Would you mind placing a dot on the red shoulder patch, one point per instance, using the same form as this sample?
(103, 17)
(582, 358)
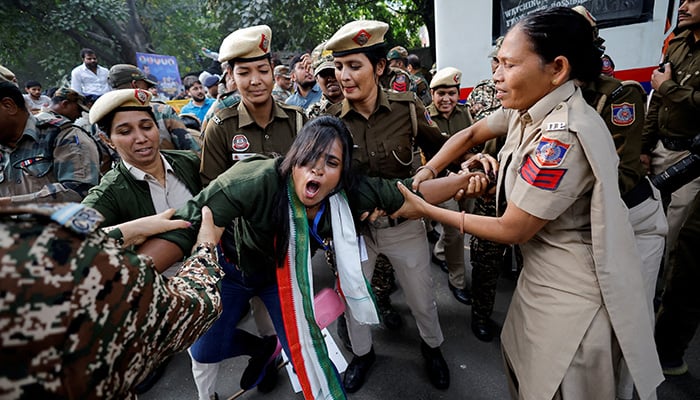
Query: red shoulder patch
(542, 178)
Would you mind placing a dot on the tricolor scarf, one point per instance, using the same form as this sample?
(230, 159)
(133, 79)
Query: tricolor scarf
(309, 355)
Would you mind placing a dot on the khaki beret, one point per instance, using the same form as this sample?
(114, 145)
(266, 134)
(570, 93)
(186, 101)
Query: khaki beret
(7, 76)
(321, 59)
(71, 95)
(449, 76)
(120, 74)
(282, 70)
(119, 98)
(247, 44)
(397, 52)
(357, 37)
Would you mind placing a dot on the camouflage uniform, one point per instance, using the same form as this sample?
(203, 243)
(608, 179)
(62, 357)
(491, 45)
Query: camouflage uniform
(173, 133)
(280, 94)
(82, 318)
(485, 256)
(53, 161)
(318, 108)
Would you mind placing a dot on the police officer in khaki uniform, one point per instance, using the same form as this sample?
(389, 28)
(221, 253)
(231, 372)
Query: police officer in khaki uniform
(385, 127)
(671, 124)
(451, 117)
(257, 123)
(580, 304)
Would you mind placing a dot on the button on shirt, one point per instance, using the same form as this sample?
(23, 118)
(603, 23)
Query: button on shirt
(173, 195)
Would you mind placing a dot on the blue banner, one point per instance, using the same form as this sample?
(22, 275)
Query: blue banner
(161, 69)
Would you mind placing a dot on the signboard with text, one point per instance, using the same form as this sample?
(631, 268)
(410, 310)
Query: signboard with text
(162, 69)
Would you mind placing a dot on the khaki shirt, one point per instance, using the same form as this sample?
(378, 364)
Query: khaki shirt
(233, 135)
(558, 161)
(384, 142)
(621, 105)
(674, 109)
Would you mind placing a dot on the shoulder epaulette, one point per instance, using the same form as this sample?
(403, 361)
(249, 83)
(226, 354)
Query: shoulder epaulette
(225, 113)
(57, 121)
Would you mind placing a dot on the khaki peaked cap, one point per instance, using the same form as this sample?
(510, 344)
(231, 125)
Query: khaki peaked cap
(119, 98)
(449, 76)
(247, 44)
(357, 36)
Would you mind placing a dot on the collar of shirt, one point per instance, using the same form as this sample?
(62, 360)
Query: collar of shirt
(546, 104)
(382, 101)
(244, 117)
(143, 176)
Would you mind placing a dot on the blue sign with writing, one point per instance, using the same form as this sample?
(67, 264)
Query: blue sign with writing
(162, 69)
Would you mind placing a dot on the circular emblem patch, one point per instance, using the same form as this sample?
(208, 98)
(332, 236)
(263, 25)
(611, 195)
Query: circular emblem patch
(240, 143)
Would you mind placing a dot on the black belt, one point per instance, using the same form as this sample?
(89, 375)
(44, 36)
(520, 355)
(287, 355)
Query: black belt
(676, 144)
(637, 194)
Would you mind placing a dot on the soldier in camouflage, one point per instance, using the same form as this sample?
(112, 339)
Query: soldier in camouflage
(400, 80)
(486, 257)
(324, 72)
(42, 161)
(283, 83)
(82, 318)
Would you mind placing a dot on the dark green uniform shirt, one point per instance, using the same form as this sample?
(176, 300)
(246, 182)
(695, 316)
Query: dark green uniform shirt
(248, 191)
(384, 142)
(233, 135)
(674, 110)
(120, 197)
(621, 105)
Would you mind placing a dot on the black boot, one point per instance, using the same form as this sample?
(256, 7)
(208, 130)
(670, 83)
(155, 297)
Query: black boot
(255, 371)
(484, 328)
(436, 366)
(357, 371)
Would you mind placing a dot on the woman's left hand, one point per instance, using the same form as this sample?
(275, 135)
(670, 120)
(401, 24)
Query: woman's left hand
(485, 161)
(413, 207)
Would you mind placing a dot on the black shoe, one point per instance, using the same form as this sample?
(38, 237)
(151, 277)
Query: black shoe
(436, 366)
(433, 236)
(356, 372)
(152, 378)
(462, 295)
(342, 330)
(391, 319)
(440, 263)
(269, 381)
(255, 371)
(485, 329)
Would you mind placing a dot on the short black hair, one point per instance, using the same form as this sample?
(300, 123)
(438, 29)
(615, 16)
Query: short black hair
(11, 91)
(86, 51)
(413, 61)
(31, 84)
(189, 81)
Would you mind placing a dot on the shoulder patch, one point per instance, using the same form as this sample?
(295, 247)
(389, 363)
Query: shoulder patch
(550, 152)
(542, 178)
(623, 114)
(427, 117)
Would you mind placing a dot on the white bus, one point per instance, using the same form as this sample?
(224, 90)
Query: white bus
(634, 31)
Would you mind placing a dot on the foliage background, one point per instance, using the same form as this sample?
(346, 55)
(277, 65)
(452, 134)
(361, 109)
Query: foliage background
(41, 39)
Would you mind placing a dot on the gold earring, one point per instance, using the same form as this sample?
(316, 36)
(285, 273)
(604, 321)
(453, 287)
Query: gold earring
(554, 82)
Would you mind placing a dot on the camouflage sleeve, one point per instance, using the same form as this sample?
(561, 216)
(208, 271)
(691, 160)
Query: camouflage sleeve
(182, 140)
(99, 318)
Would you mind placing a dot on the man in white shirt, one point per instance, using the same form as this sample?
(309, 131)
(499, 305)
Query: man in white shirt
(90, 79)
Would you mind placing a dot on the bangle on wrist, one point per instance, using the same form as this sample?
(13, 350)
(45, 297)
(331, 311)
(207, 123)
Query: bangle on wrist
(461, 222)
(429, 168)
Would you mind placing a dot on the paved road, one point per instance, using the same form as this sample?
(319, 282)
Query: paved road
(476, 368)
